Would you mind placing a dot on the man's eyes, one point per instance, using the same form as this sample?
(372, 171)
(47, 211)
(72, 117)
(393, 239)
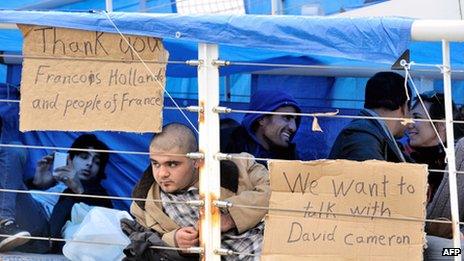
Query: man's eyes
(155, 164)
(172, 164)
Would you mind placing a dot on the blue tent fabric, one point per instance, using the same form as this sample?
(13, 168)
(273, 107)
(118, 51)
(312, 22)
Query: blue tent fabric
(375, 39)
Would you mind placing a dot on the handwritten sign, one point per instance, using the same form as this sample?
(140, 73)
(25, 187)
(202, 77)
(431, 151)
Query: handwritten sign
(330, 193)
(83, 81)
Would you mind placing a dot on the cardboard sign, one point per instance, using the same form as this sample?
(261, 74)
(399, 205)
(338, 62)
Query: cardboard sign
(77, 80)
(330, 192)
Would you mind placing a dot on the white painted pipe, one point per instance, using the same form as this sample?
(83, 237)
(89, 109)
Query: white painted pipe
(208, 99)
(109, 5)
(437, 30)
(450, 146)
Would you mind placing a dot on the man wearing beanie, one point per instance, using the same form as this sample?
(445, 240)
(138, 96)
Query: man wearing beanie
(265, 135)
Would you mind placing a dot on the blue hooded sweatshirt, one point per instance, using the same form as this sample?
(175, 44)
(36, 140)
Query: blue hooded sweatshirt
(243, 139)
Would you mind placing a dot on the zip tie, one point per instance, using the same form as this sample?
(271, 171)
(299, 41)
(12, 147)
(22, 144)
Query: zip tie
(195, 155)
(195, 203)
(220, 63)
(193, 62)
(223, 252)
(194, 109)
(220, 109)
(223, 156)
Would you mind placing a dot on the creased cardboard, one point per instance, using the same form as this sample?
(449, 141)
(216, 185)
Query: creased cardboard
(84, 81)
(329, 193)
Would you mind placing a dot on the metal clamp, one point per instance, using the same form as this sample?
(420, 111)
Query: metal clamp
(222, 204)
(195, 155)
(220, 109)
(222, 156)
(194, 109)
(220, 63)
(223, 252)
(195, 203)
(444, 69)
(195, 250)
(193, 62)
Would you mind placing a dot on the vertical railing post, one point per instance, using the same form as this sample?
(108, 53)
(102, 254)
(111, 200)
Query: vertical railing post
(276, 7)
(109, 6)
(446, 70)
(208, 98)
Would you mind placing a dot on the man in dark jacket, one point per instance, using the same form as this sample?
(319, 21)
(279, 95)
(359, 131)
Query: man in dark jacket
(265, 135)
(364, 139)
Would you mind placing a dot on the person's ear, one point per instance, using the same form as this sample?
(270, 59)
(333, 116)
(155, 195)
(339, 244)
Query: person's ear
(263, 121)
(196, 163)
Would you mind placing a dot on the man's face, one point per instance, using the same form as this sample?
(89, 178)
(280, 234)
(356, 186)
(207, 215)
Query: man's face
(278, 129)
(86, 164)
(173, 173)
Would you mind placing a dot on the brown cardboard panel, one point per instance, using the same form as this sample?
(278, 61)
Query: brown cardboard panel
(348, 211)
(109, 90)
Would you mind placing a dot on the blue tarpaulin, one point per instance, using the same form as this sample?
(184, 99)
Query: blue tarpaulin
(242, 38)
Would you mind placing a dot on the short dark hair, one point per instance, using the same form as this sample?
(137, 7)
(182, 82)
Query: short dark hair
(386, 90)
(86, 141)
(185, 139)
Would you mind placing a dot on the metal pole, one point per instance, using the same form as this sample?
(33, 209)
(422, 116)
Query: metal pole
(109, 5)
(450, 145)
(142, 6)
(208, 98)
(436, 30)
(276, 7)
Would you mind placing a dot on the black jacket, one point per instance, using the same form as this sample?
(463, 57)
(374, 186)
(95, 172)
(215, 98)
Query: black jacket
(364, 139)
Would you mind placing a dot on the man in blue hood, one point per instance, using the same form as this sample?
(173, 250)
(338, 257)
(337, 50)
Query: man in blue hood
(265, 135)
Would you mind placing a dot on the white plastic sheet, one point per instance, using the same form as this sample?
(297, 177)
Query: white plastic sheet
(98, 225)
